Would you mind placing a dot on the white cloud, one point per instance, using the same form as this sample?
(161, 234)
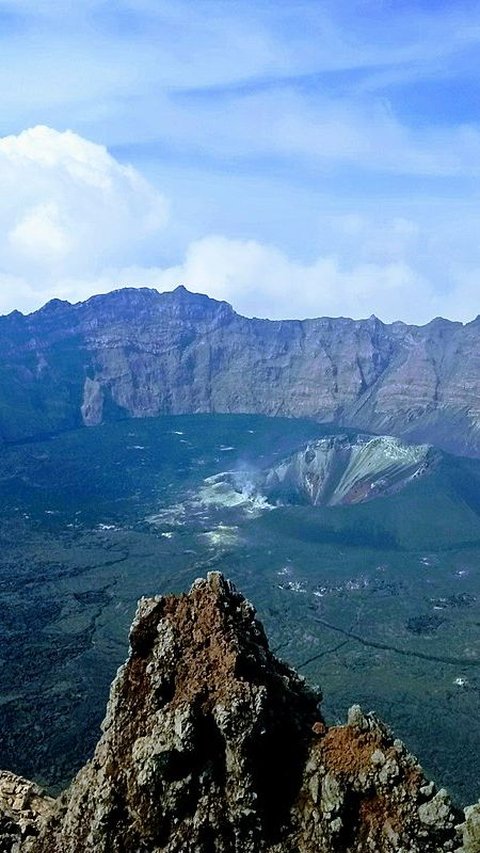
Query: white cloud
(39, 234)
(314, 130)
(234, 79)
(67, 208)
(74, 222)
(378, 275)
(261, 280)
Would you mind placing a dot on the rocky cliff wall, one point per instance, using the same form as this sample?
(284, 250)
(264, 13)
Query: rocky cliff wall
(140, 353)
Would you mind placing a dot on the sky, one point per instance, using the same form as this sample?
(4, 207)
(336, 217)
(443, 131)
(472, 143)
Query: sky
(297, 158)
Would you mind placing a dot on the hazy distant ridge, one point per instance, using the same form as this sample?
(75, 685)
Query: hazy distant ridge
(140, 353)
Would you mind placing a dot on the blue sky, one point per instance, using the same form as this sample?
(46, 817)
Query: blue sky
(296, 158)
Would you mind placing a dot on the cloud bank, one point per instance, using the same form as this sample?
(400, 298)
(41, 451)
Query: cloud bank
(319, 157)
(74, 221)
(67, 210)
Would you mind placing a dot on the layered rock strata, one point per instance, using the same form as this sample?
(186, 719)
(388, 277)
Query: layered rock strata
(212, 745)
(135, 352)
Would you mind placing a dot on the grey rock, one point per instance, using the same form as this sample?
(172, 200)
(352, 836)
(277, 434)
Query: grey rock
(140, 353)
(23, 810)
(471, 830)
(356, 717)
(212, 745)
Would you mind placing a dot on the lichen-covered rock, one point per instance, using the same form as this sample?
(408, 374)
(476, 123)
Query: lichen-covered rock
(471, 830)
(374, 795)
(23, 808)
(212, 745)
(204, 741)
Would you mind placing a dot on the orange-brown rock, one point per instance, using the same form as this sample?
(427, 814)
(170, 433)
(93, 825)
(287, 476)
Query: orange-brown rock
(212, 745)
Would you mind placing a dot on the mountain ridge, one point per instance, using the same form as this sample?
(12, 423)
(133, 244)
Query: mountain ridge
(57, 303)
(137, 352)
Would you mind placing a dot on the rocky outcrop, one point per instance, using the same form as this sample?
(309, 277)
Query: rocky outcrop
(23, 808)
(137, 352)
(212, 745)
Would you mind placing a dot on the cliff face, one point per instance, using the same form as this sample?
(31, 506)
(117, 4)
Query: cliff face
(212, 745)
(137, 352)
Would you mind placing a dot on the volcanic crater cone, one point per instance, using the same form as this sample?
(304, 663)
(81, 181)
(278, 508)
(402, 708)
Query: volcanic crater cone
(341, 469)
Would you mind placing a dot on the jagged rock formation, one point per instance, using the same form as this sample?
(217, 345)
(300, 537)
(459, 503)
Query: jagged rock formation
(212, 745)
(137, 352)
(341, 470)
(23, 807)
